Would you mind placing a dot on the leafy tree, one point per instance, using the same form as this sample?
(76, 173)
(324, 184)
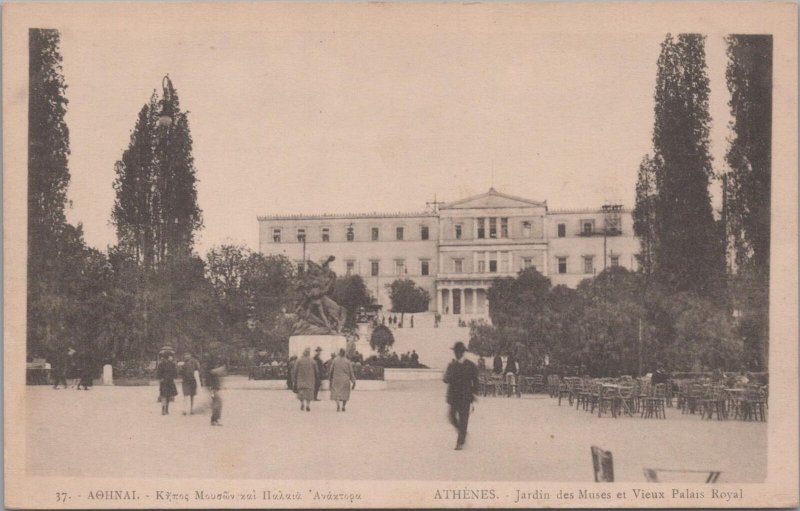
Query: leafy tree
(407, 297)
(688, 254)
(382, 339)
(483, 338)
(748, 187)
(351, 293)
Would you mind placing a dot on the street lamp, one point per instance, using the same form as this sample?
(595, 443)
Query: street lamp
(165, 119)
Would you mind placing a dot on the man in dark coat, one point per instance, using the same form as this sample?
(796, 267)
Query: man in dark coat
(462, 386)
(320, 369)
(497, 364)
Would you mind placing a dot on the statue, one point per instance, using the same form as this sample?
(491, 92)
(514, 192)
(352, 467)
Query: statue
(317, 313)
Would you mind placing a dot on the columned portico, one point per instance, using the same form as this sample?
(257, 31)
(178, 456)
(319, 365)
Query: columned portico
(463, 297)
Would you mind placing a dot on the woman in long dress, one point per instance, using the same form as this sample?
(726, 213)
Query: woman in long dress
(342, 379)
(304, 376)
(166, 374)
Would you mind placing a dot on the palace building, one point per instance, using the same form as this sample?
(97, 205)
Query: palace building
(456, 250)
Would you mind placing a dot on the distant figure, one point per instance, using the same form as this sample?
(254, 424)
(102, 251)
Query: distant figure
(290, 367)
(414, 358)
(166, 374)
(411, 322)
(327, 365)
(86, 370)
(481, 363)
(511, 371)
(497, 365)
(342, 379)
(190, 376)
(319, 373)
(462, 386)
(59, 364)
(214, 375)
(305, 376)
(72, 367)
(383, 320)
(437, 318)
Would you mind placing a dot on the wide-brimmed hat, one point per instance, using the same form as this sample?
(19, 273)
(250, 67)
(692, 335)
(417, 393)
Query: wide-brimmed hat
(166, 349)
(459, 346)
(318, 349)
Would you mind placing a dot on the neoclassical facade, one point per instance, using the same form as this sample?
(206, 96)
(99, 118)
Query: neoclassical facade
(457, 251)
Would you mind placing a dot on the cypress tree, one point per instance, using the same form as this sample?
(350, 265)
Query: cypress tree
(748, 186)
(688, 255)
(48, 179)
(644, 212)
(155, 211)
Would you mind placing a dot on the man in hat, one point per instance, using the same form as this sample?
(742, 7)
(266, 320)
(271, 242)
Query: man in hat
(462, 386)
(318, 376)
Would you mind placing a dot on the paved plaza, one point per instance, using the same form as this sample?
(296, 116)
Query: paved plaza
(400, 433)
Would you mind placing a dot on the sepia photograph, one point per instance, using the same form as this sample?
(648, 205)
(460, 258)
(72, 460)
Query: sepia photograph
(269, 255)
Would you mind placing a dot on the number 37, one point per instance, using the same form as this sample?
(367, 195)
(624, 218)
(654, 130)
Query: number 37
(61, 496)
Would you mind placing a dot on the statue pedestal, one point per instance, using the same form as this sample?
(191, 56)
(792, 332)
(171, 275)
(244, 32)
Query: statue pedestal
(329, 343)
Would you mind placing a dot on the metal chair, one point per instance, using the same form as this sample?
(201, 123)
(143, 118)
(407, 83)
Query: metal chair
(603, 464)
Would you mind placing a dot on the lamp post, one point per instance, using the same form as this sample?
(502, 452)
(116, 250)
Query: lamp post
(166, 117)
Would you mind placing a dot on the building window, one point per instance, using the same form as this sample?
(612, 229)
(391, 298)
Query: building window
(526, 229)
(399, 267)
(614, 260)
(493, 265)
(424, 268)
(326, 234)
(504, 227)
(458, 265)
(588, 264)
(399, 233)
(301, 235)
(276, 235)
(375, 268)
(492, 227)
(376, 234)
(457, 231)
(350, 267)
(423, 232)
(527, 262)
(350, 233)
(562, 264)
(481, 228)
(587, 227)
(481, 266)
(562, 230)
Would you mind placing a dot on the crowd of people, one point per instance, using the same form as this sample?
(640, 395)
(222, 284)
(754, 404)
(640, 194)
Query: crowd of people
(71, 368)
(189, 370)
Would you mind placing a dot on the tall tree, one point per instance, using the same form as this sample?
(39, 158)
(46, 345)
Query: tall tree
(748, 186)
(156, 212)
(689, 254)
(54, 247)
(644, 213)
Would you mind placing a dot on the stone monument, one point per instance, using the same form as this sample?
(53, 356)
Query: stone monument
(318, 319)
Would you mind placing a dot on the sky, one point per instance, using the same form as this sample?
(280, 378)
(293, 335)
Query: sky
(310, 117)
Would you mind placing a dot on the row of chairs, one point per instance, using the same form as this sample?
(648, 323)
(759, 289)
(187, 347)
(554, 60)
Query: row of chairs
(509, 384)
(748, 403)
(628, 397)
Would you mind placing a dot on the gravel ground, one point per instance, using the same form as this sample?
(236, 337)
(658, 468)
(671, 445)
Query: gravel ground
(398, 434)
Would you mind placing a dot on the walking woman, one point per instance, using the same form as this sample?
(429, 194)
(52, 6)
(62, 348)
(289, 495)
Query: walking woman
(342, 379)
(304, 376)
(166, 374)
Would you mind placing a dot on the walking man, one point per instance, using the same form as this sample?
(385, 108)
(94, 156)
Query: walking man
(190, 375)
(319, 373)
(462, 386)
